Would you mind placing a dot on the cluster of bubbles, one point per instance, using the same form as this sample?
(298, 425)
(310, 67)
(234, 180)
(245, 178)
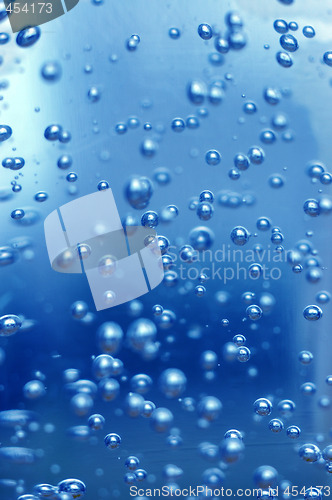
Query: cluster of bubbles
(148, 339)
(68, 489)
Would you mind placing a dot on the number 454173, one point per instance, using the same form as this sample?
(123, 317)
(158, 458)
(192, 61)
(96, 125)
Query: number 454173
(294, 491)
(34, 8)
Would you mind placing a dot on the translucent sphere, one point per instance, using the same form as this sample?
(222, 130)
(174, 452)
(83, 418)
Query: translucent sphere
(161, 419)
(94, 94)
(109, 389)
(51, 71)
(41, 196)
(205, 31)
(212, 157)
(209, 408)
(201, 238)
(308, 388)
(150, 219)
(208, 360)
(241, 161)
(205, 210)
(305, 357)
(254, 312)
(240, 235)
(327, 453)
(133, 404)
(112, 441)
(44, 490)
(276, 425)
(265, 476)
(289, 43)
(196, 91)
(293, 432)
(141, 383)
(309, 453)
(52, 132)
(263, 224)
(34, 389)
(314, 493)
(243, 354)
(172, 382)
(132, 463)
(96, 422)
(79, 309)
(308, 31)
(138, 192)
(237, 40)
(221, 45)
(102, 366)
(148, 409)
(74, 487)
(65, 161)
(107, 265)
(280, 26)
(263, 406)
(174, 33)
(81, 404)
(231, 450)
(200, 291)
(312, 313)
(239, 340)
(28, 36)
(272, 96)
(250, 108)
(109, 337)
(327, 58)
(256, 155)
(284, 59)
(311, 207)
(9, 324)
(286, 407)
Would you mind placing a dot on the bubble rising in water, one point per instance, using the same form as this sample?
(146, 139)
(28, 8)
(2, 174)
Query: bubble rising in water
(17, 214)
(161, 419)
(289, 43)
(52, 132)
(309, 452)
(205, 31)
(51, 71)
(240, 236)
(28, 36)
(308, 31)
(201, 238)
(112, 441)
(272, 96)
(174, 33)
(138, 192)
(196, 91)
(254, 312)
(284, 59)
(74, 487)
(312, 313)
(256, 155)
(276, 425)
(327, 58)
(280, 26)
(9, 324)
(263, 407)
(212, 157)
(5, 132)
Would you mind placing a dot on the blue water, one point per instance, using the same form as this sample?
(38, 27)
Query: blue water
(126, 101)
